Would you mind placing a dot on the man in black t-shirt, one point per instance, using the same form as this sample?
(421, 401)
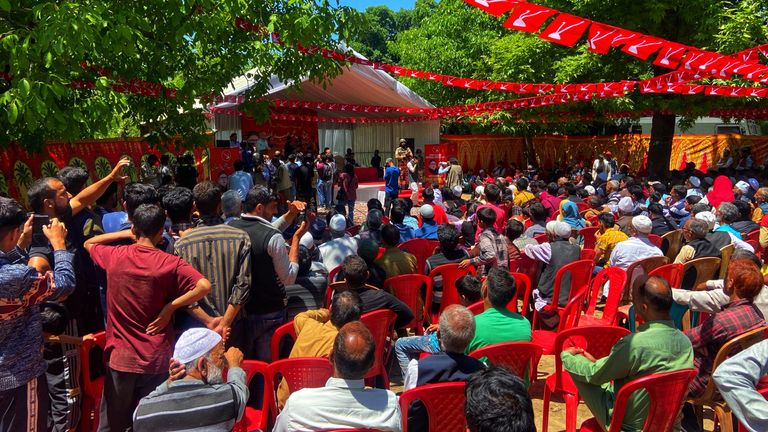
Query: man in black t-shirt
(448, 236)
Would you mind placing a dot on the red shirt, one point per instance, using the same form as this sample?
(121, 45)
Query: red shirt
(140, 282)
(501, 219)
(441, 217)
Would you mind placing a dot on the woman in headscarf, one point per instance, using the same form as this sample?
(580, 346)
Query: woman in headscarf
(570, 214)
(722, 191)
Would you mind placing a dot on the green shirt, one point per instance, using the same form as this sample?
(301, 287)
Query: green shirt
(497, 326)
(657, 347)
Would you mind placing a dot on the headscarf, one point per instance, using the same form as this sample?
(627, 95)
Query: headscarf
(722, 191)
(570, 212)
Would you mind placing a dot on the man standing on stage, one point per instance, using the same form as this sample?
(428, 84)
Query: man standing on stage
(403, 154)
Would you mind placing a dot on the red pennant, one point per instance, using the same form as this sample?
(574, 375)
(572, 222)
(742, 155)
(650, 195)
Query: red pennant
(494, 7)
(683, 162)
(528, 17)
(704, 165)
(565, 30)
(643, 46)
(600, 36)
(622, 37)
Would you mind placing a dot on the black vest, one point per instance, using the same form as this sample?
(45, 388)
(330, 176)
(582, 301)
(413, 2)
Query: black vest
(702, 248)
(446, 367)
(719, 239)
(563, 253)
(267, 291)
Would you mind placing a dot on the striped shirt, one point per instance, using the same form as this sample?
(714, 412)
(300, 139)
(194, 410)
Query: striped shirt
(192, 405)
(222, 254)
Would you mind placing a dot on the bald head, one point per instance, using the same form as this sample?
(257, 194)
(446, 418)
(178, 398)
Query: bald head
(353, 351)
(457, 328)
(653, 298)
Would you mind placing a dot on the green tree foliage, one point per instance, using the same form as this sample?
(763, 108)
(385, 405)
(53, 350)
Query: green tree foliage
(458, 39)
(190, 46)
(381, 26)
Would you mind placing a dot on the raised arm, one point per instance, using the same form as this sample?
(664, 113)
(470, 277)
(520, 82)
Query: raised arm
(88, 196)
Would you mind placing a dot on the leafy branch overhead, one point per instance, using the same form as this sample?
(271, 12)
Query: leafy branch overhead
(191, 46)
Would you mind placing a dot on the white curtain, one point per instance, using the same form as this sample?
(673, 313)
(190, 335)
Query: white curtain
(337, 137)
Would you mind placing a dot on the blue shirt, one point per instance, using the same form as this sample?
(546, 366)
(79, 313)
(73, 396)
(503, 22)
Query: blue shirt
(391, 177)
(406, 232)
(428, 230)
(729, 229)
(241, 182)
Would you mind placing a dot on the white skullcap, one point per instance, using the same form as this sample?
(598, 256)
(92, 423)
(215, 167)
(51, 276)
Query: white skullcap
(626, 205)
(195, 343)
(642, 224)
(427, 211)
(707, 217)
(479, 190)
(307, 241)
(550, 227)
(742, 186)
(694, 181)
(338, 223)
(590, 189)
(562, 230)
(457, 190)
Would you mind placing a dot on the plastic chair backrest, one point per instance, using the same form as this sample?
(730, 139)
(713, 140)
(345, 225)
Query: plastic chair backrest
(299, 373)
(526, 265)
(285, 330)
(666, 392)
(541, 238)
(580, 274)
(725, 258)
(407, 288)
(582, 206)
(450, 273)
(333, 273)
(754, 235)
(655, 240)
(249, 422)
(477, 308)
(704, 269)
(444, 403)
(755, 244)
(617, 278)
(673, 273)
(331, 290)
(729, 349)
(637, 269)
(762, 389)
(594, 220)
(421, 249)
(381, 323)
(93, 386)
(671, 243)
(588, 234)
(569, 315)
(596, 340)
(588, 254)
(523, 290)
(519, 357)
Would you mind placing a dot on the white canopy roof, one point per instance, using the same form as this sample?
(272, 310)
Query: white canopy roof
(356, 84)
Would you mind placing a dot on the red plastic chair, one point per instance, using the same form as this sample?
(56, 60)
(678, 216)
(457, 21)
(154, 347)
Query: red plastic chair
(582, 206)
(522, 358)
(421, 249)
(593, 221)
(477, 308)
(666, 392)
(569, 319)
(381, 323)
(444, 403)
(353, 230)
(597, 341)
(255, 418)
(523, 290)
(581, 274)
(527, 223)
(528, 266)
(93, 387)
(332, 274)
(381, 252)
(407, 288)
(541, 238)
(588, 234)
(299, 373)
(673, 273)
(754, 235)
(762, 388)
(755, 244)
(588, 254)
(450, 273)
(617, 278)
(655, 240)
(281, 332)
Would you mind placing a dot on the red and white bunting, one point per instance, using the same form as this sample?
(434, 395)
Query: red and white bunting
(528, 17)
(494, 7)
(643, 46)
(565, 30)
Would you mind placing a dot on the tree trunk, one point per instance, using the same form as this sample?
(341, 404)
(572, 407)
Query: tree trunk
(529, 153)
(660, 149)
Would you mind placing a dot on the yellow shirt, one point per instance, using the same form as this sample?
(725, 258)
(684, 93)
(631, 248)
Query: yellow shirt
(608, 240)
(523, 197)
(396, 262)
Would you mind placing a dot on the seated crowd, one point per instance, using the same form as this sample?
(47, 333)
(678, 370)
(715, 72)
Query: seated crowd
(190, 285)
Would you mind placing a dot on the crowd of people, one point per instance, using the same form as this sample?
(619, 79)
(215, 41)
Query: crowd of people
(189, 278)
